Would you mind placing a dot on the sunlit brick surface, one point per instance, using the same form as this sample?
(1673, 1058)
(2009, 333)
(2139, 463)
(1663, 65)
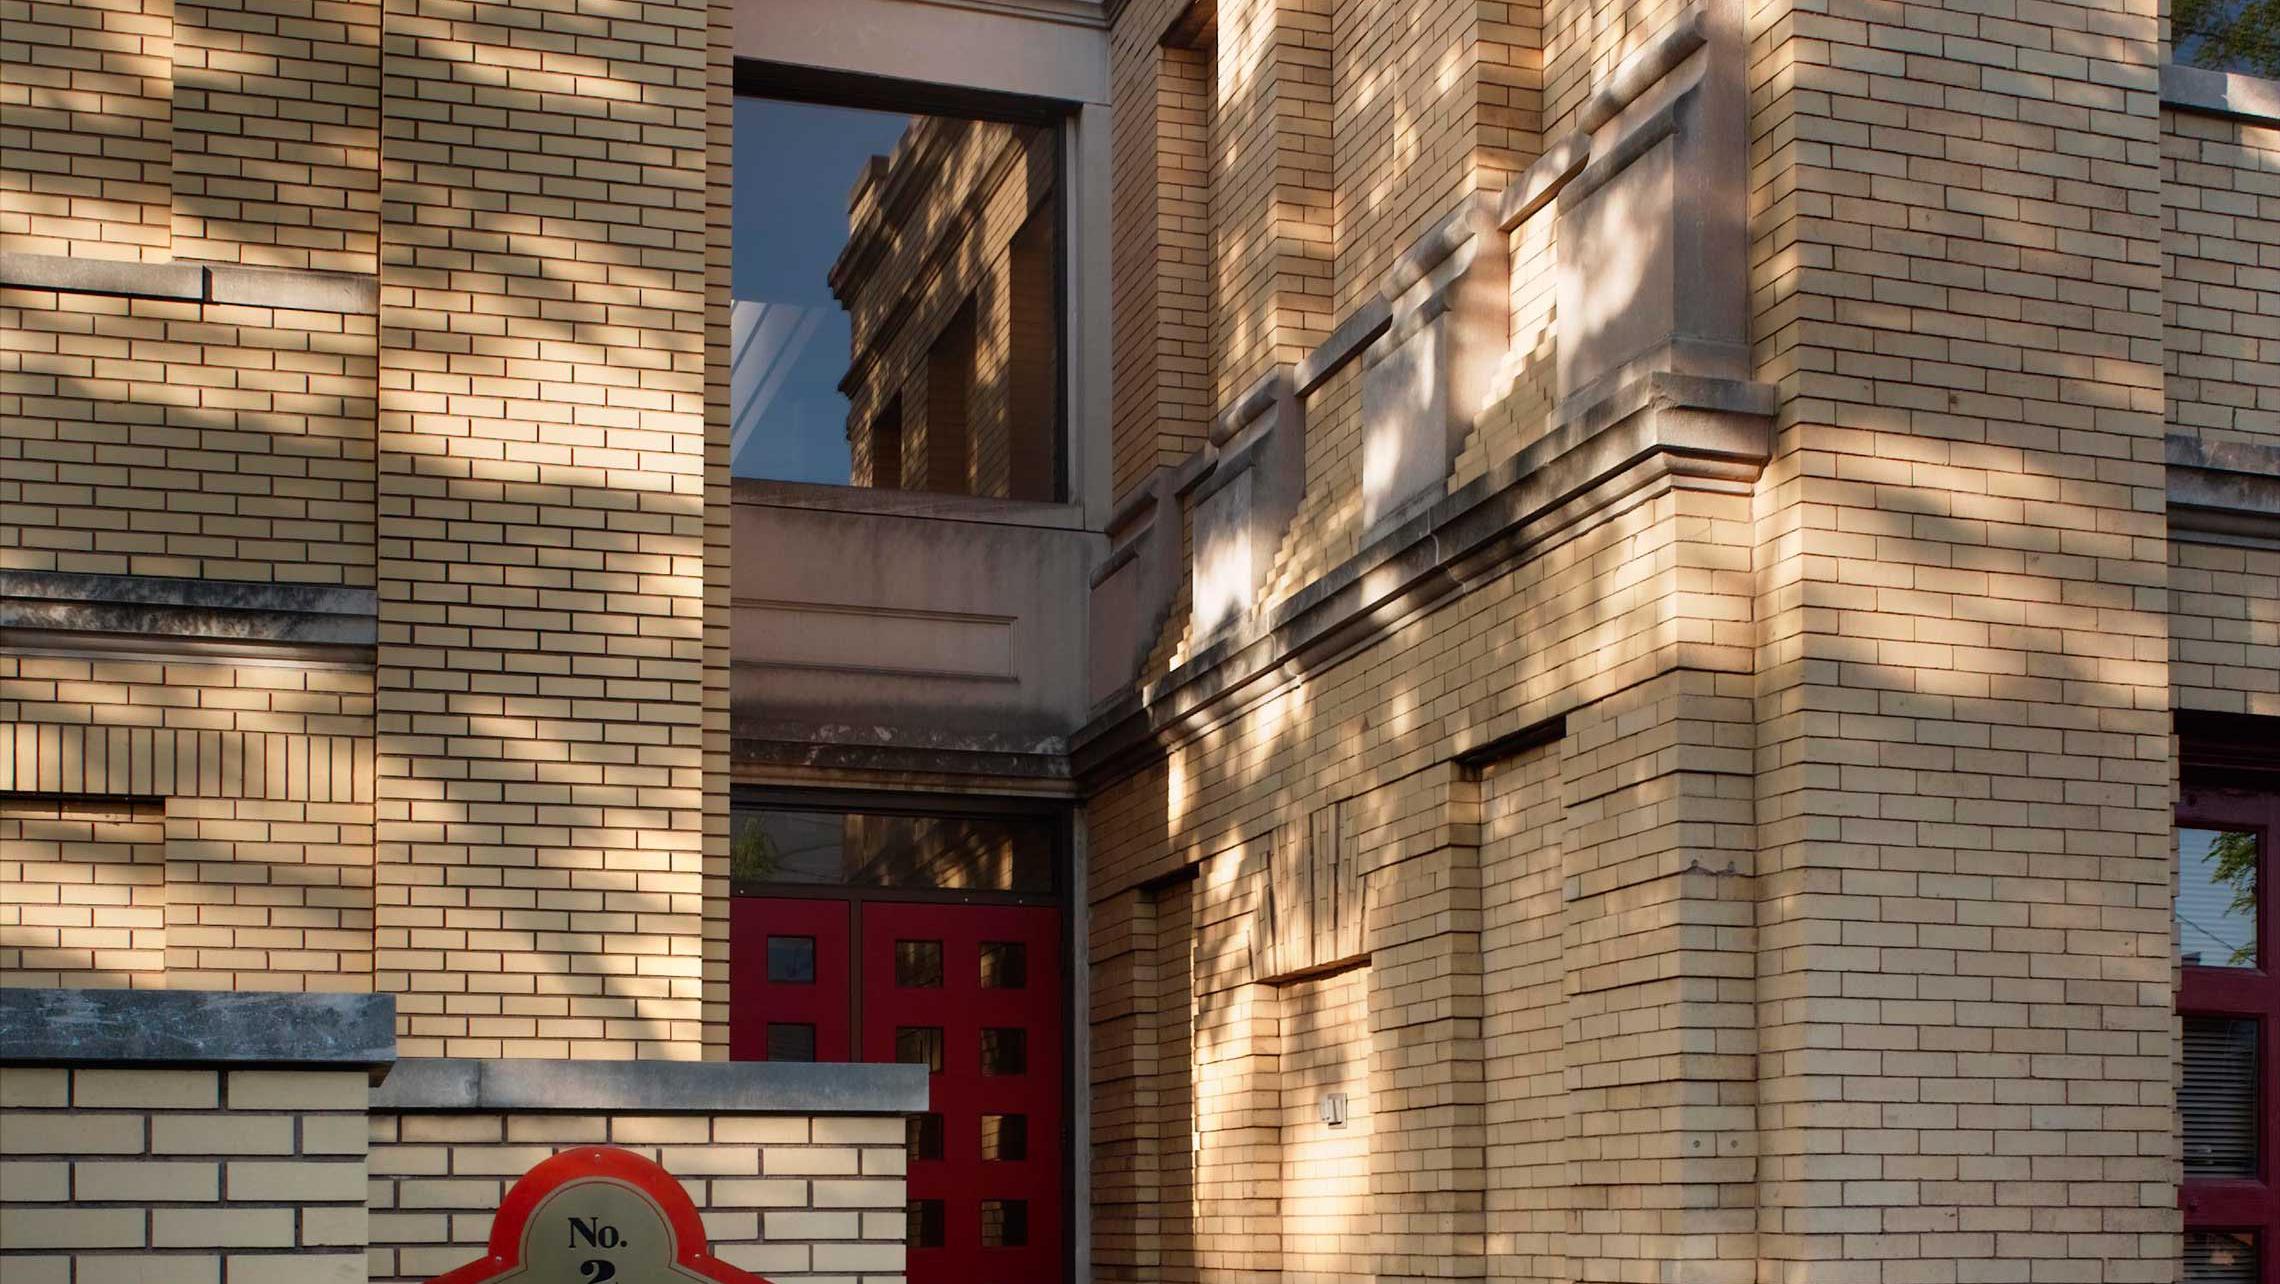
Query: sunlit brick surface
(86, 145)
(276, 133)
(542, 457)
(170, 437)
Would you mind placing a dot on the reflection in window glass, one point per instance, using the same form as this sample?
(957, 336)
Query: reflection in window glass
(922, 1226)
(1005, 1223)
(1005, 1138)
(2220, 1257)
(895, 301)
(791, 960)
(918, 964)
(922, 1134)
(2216, 1100)
(860, 849)
(791, 1041)
(1005, 1050)
(2216, 897)
(1005, 965)
(2227, 35)
(919, 1045)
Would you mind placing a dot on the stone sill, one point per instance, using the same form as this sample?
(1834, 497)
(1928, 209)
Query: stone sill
(439, 1084)
(2220, 93)
(919, 504)
(288, 289)
(194, 1028)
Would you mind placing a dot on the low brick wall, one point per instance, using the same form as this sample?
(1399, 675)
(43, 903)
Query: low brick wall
(788, 1197)
(182, 1175)
(170, 1137)
(797, 1169)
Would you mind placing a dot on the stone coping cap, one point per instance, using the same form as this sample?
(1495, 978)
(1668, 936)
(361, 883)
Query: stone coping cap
(196, 1028)
(422, 1084)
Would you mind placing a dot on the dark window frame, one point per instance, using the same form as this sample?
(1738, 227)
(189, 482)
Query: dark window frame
(825, 87)
(2230, 782)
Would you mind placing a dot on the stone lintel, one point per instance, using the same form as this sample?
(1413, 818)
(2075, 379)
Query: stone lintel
(41, 606)
(291, 289)
(439, 1084)
(225, 1029)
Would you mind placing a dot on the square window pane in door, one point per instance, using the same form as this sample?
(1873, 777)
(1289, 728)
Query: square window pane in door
(1005, 965)
(2220, 1257)
(918, 964)
(922, 1224)
(1005, 1050)
(2216, 897)
(1005, 1223)
(1005, 1138)
(791, 1041)
(2217, 1100)
(791, 960)
(919, 1045)
(922, 1135)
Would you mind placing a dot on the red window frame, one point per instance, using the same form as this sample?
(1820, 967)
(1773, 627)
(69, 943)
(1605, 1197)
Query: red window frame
(2240, 1203)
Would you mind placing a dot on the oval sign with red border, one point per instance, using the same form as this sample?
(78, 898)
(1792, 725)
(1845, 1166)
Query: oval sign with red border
(597, 1215)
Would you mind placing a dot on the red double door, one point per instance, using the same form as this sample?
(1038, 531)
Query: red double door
(973, 992)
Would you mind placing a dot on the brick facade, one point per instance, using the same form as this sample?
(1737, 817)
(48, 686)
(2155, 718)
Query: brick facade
(182, 1174)
(793, 1197)
(1719, 827)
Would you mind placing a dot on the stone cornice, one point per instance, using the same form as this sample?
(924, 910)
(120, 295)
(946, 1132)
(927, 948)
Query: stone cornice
(196, 1028)
(46, 609)
(652, 1087)
(1662, 428)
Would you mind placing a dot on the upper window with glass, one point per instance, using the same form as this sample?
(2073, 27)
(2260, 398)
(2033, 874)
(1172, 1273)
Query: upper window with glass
(2227, 35)
(897, 287)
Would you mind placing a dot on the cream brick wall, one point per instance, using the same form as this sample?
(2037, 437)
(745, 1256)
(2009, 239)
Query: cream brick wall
(276, 133)
(789, 1197)
(170, 437)
(2224, 628)
(200, 1176)
(2220, 348)
(1963, 683)
(86, 149)
(1162, 163)
(82, 892)
(543, 484)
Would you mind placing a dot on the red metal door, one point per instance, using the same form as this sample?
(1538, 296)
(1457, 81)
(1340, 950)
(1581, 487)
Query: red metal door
(974, 992)
(788, 970)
